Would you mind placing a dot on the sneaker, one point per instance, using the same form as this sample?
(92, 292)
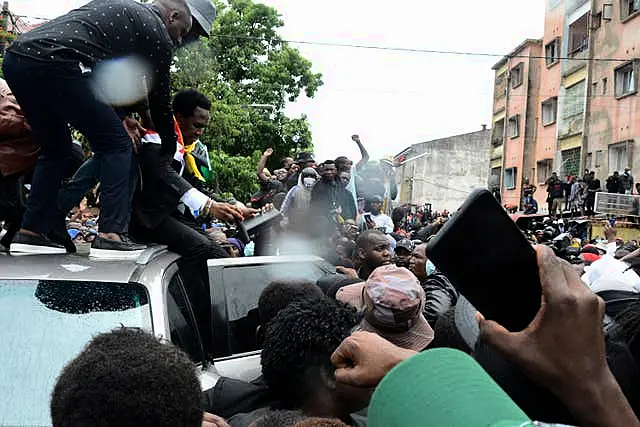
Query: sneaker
(112, 249)
(24, 243)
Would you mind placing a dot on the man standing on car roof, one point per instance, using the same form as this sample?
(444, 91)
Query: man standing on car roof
(51, 72)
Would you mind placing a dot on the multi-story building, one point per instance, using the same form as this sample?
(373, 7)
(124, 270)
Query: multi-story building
(587, 95)
(613, 125)
(443, 172)
(517, 85)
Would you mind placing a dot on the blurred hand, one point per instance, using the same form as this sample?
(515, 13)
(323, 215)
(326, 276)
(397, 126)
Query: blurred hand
(364, 358)
(268, 152)
(226, 212)
(355, 138)
(349, 272)
(248, 212)
(135, 131)
(610, 232)
(563, 348)
(210, 420)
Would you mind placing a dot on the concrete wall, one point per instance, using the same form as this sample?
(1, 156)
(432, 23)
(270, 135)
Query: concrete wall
(518, 151)
(550, 80)
(613, 120)
(443, 172)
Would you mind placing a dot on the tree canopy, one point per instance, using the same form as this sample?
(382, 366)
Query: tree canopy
(250, 73)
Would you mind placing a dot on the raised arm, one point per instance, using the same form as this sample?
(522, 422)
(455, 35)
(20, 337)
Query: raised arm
(363, 152)
(263, 163)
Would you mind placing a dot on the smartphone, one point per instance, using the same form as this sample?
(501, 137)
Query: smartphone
(489, 261)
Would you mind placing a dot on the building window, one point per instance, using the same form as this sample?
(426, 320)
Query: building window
(579, 35)
(588, 161)
(574, 100)
(599, 158)
(517, 75)
(571, 162)
(500, 87)
(545, 167)
(619, 156)
(494, 179)
(552, 52)
(510, 175)
(604, 85)
(498, 133)
(596, 21)
(549, 111)
(514, 126)
(625, 79)
(628, 8)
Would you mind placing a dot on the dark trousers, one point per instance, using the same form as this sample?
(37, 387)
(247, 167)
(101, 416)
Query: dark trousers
(183, 237)
(86, 178)
(54, 96)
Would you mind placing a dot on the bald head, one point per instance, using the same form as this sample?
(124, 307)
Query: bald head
(176, 16)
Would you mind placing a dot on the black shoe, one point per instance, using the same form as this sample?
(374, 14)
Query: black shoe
(112, 249)
(61, 237)
(24, 243)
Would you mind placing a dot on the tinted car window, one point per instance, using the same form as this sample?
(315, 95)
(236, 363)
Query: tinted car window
(45, 324)
(181, 322)
(242, 288)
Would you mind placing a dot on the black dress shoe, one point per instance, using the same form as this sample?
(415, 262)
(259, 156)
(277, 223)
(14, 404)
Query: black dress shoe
(24, 243)
(102, 248)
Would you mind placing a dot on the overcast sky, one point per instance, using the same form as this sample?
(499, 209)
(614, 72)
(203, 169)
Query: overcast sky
(391, 99)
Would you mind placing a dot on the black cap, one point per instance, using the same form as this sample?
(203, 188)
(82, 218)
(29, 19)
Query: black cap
(405, 244)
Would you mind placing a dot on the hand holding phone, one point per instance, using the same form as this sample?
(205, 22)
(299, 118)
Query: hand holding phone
(499, 274)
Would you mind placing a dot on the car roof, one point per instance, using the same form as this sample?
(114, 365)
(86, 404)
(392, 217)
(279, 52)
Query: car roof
(260, 260)
(80, 267)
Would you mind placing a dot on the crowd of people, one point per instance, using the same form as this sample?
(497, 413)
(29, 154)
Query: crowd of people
(576, 195)
(388, 341)
(387, 345)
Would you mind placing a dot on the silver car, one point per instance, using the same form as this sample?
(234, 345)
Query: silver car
(52, 305)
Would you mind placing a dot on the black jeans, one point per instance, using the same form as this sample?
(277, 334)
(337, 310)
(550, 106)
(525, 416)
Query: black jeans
(86, 178)
(183, 237)
(54, 96)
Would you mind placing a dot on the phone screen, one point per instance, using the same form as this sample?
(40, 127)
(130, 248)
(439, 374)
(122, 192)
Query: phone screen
(489, 261)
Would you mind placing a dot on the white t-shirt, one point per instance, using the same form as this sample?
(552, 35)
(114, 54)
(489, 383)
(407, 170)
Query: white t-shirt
(381, 220)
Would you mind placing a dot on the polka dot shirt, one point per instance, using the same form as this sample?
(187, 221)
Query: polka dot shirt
(107, 29)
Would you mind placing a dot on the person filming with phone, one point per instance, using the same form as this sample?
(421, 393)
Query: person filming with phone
(376, 220)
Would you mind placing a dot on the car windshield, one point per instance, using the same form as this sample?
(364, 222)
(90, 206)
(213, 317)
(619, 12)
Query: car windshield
(45, 324)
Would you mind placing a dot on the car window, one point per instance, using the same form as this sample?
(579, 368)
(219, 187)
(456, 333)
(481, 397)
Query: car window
(243, 286)
(182, 325)
(45, 324)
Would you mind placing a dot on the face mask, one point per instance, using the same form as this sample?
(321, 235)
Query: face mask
(430, 268)
(308, 182)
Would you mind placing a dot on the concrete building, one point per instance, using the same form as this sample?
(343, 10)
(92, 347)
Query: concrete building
(585, 98)
(517, 87)
(613, 127)
(444, 171)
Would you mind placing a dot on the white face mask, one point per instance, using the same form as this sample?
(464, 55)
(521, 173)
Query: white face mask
(308, 182)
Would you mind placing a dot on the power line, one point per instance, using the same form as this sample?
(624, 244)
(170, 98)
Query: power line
(386, 48)
(407, 49)
(32, 17)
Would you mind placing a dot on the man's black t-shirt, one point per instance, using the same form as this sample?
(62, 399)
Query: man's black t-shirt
(107, 29)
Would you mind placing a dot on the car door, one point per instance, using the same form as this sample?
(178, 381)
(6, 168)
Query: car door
(236, 285)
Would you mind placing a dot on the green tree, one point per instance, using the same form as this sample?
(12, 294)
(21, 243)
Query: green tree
(250, 73)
